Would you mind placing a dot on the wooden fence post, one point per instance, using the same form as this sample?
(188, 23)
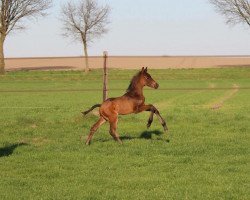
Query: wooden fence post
(105, 78)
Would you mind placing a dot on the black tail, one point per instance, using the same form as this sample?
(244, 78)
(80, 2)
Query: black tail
(92, 108)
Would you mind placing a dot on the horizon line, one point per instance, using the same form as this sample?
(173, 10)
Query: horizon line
(124, 56)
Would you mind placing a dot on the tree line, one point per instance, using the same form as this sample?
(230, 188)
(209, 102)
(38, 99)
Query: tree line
(86, 20)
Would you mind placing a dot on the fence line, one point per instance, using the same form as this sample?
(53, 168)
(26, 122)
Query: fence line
(118, 89)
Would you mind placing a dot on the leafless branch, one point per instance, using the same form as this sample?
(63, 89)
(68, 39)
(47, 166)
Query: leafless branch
(85, 20)
(13, 12)
(235, 11)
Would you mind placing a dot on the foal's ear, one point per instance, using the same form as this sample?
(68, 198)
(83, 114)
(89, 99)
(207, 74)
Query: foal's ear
(144, 69)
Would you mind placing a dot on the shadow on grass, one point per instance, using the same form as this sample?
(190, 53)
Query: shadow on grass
(8, 150)
(149, 134)
(146, 135)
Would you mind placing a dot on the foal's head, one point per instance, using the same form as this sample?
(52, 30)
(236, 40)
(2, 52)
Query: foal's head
(147, 80)
(141, 79)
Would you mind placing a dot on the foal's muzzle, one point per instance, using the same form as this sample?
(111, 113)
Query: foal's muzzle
(156, 85)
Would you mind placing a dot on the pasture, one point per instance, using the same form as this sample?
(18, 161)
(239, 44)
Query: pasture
(205, 154)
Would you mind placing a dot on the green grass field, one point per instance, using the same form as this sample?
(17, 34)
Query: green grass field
(205, 154)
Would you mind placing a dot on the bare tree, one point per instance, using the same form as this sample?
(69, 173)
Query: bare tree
(84, 22)
(235, 11)
(12, 14)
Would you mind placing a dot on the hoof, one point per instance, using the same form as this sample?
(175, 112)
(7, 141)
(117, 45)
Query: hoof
(83, 113)
(87, 142)
(148, 126)
(119, 141)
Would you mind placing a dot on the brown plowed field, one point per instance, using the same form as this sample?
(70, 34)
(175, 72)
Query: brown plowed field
(127, 62)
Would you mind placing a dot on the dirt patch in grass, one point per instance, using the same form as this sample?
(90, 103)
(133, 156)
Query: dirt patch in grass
(45, 68)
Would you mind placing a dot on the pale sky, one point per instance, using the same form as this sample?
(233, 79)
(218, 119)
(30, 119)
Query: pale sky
(139, 27)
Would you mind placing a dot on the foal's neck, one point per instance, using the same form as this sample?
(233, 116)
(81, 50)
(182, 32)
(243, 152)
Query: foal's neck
(135, 88)
(137, 91)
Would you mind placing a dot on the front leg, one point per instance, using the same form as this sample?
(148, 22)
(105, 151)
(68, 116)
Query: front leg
(150, 119)
(153, 110)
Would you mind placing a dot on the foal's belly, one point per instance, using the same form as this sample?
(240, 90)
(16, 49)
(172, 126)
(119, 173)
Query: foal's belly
(125, 108)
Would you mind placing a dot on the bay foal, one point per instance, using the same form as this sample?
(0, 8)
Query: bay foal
(133, 101)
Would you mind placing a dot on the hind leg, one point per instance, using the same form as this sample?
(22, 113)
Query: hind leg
(113, 128)
(94, 129)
